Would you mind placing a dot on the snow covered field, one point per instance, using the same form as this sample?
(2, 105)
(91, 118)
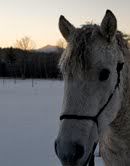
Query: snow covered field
(29, 122)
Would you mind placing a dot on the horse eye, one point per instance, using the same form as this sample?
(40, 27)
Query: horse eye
(104, 74)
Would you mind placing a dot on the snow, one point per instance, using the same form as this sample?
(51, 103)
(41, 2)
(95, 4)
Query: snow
(29, 119)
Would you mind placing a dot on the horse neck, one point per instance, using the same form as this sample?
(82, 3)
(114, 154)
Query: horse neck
(121, 124)
(117, 135)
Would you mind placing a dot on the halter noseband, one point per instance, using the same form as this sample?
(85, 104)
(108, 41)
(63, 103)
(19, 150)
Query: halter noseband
(95, 118)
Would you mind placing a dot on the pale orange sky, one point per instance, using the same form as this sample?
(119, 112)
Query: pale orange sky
(38, 19)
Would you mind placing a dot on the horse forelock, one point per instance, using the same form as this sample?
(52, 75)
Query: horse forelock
(77, 55)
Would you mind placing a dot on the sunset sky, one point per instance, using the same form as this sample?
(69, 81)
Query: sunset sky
(38, 19)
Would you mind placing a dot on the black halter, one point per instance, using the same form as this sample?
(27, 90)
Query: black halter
(95, 118)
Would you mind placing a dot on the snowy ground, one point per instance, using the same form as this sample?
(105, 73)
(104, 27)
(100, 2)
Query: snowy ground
(29, 122)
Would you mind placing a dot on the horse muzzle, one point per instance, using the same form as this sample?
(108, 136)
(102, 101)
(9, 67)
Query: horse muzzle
(69, 152)
(73, 154)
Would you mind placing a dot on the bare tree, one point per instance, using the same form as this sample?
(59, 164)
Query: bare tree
(61, 43)
(25, 43)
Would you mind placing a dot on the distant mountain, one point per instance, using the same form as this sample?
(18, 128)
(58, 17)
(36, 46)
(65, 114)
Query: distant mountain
(48, 49)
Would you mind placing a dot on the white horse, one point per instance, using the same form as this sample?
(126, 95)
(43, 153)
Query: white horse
(96, 104)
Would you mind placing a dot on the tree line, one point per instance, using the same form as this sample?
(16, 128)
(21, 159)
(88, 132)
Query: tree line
(19, 63)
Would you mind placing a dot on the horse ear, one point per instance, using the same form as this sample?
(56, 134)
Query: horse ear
(109, 25)
(65, 27)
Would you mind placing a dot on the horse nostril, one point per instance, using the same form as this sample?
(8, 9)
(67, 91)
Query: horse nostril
(79, 151)
(69, 152)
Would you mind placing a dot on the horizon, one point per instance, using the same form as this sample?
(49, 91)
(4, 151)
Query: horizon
(39, 19)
